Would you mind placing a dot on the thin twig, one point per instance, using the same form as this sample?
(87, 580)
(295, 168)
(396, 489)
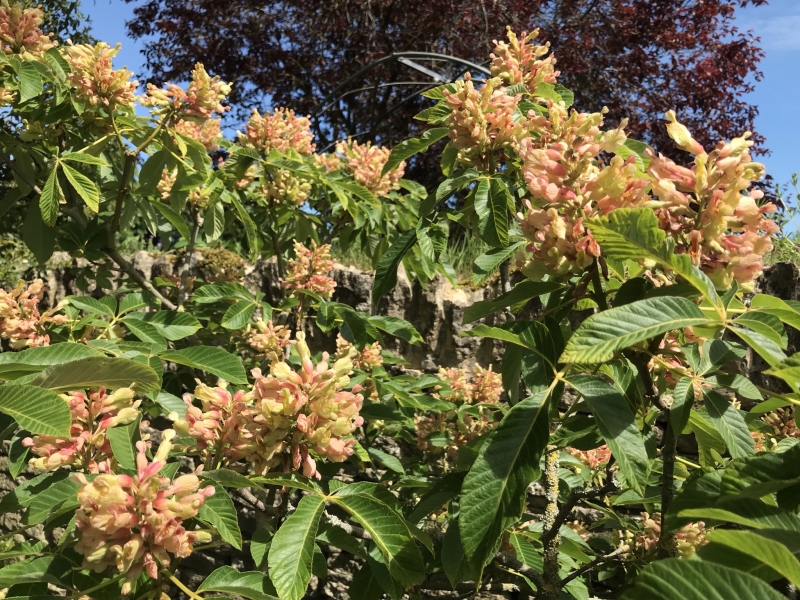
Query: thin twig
(139, 278)
(589, 566)
(351, 529)
(187, 263)
(576, 497)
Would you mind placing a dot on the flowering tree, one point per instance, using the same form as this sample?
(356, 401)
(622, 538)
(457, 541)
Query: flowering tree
(160, 421)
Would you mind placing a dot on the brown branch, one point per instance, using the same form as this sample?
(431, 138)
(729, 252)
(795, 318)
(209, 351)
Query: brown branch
(187, 263)
(350, 529)
(578, 496)
(550, 575)
(512, 563)
(589, 566)
(138, 278)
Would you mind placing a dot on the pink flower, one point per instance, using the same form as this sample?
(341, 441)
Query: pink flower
(365, 163)
(95, 80)
(309, 269)
(86, 447)
(280, 131)
(20, 320)
(135, 523)
(19, 30)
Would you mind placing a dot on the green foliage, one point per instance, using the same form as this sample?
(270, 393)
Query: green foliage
(612, 342)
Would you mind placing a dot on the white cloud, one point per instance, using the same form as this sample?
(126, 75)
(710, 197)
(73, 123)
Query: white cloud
(779, 32)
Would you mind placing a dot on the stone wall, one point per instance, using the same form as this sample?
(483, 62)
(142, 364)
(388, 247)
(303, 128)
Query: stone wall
(436, 310)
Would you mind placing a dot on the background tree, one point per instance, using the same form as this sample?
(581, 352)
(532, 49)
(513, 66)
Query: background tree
(637, 57)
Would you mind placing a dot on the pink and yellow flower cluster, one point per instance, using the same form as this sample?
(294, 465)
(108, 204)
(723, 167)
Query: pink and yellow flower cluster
(20, 320)
(200, 101)
(268, 340)
(96, 81)
(282, 130)
(134, 523)
(309, 269)
(20, 32)
(457, 427)
(365, 163)
(562, 156)
(287, 419)
(368, 359)
(87, 446)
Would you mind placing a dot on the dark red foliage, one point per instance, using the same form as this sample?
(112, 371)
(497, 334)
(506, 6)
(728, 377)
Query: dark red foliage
(637, 57)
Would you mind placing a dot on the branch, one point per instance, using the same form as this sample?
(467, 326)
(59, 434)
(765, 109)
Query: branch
(589, 566)
(114, 255)
(350, 529)
(576, 497)
(550, 576)
(127, 172)
(512, 563)
(187, 263)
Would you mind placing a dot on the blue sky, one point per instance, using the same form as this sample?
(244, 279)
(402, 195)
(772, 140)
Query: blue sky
(777, 95)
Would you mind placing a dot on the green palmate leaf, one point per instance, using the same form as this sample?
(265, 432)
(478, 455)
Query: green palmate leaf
(170, 324)
(449, 186)
(486, 264)
(84, 159)
(90, 305)
(18, 454)
(787, 313)
(292, 480)
(765, 323)
(35, 409)
(336, 536)
(748, 512)
(99, 371)
(59, 497)
(150, 173)
(454, 561)
(788, 370)
(676, 579)
(683, 399)
(397, 327)
(389, 532)
(38, 237)
(145, 331)
(30, 82)
(248, 584)
(45, 569)
(219, 512)
(173, 218)
(386, 273)
(228, 478)
(525, 290)
(259, 546)
(491, 205)
(765, 550)
(365, 584)
(730, 424)
(602, 335)
(238, 314)
(633, 233)
(210, 359)
(32, 360)
(292, 549)
(407, 149)
(617, 425)
(387, 460)
(51, 198)
(214, 220)
(493, 495)
(85, 187)
(123, 440)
